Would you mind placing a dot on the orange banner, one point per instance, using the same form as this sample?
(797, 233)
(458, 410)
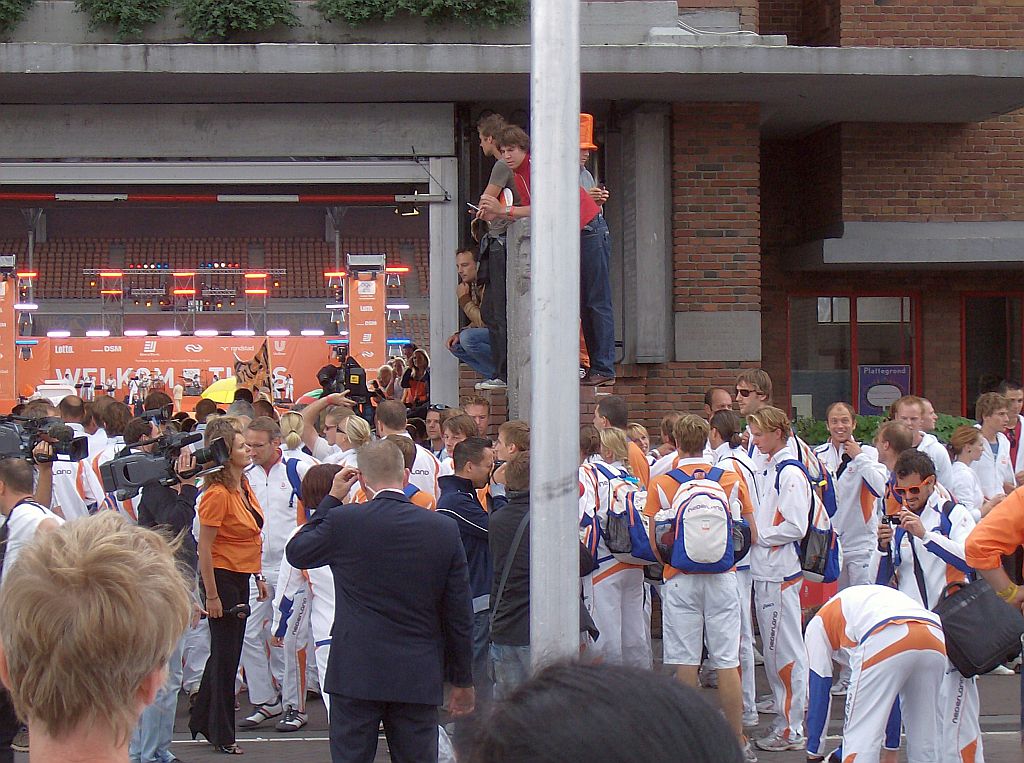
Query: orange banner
(167, 360)
(8, 333)
(367, 328)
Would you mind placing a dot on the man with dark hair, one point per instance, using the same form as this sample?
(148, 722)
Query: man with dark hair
(391, 419)
(264, 408)
(471, 344)
(115, 417)
(156, 400)
(244, 394)
(612, 411)
(923, 554)
(716, 399)
(1014, 394)
(473, 461)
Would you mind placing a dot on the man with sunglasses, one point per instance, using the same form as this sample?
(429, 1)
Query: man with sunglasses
(921, 550)
(753, 392)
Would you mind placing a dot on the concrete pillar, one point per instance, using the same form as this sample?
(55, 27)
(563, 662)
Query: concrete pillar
(519, 319)
(444, 304)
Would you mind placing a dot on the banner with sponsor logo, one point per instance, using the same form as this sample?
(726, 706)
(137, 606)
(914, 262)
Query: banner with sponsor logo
(168, 360)
(8, 333)
(367, 329)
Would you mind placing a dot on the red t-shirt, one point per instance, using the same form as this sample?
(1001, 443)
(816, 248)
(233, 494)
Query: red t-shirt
(588, 207)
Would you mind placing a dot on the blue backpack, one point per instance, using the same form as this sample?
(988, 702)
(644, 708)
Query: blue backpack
(626, 528)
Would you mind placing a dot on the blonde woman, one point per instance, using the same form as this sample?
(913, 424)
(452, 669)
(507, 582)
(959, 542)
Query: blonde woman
(965, 447)
(618, 589)
(230, 551)
(351, 433)
(291, 424)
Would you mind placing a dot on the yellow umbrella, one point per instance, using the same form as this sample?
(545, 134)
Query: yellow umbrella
(222, 391)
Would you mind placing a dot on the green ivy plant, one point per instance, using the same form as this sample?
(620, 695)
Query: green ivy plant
(128, 17)
(12, 12)
(216, 20)
(491, 13)
(815, 432)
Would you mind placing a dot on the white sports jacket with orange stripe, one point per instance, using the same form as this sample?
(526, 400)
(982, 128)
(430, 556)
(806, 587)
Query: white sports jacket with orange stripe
(940, 553)
(781, 519)
(858, 488)
(844, 622)
(91, 484)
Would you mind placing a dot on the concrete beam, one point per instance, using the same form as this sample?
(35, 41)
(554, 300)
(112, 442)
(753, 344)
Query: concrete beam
(444, 304)
(723, 336)
(895, 246)
(798, 88)
(227, 130)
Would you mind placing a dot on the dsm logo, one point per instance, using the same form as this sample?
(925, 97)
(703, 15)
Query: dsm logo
(193, 348)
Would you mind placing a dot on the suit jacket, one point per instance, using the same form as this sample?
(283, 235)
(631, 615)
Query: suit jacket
(402, 620)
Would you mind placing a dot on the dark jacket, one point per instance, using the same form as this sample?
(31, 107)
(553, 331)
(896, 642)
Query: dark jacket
(161, 507)
(458, 499)
(402, 623)
(510, 623)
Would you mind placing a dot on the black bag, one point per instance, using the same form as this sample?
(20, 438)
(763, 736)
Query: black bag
(982, 631)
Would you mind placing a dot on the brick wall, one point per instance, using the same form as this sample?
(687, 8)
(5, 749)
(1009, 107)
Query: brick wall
(938, 23)
(934, 172)
(746, 8)
(804, 22)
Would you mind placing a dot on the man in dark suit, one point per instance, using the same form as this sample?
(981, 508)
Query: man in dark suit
(403, 612)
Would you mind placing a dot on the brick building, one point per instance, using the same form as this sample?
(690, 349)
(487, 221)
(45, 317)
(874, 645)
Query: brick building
(828, 188)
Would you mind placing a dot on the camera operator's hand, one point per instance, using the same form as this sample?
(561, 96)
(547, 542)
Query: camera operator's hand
(186, 462)
(339, 398)
(42, 455)
(343, 482)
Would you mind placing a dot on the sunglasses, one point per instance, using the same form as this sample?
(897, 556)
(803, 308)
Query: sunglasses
(745, 392)
(438, 407)
(903, 492)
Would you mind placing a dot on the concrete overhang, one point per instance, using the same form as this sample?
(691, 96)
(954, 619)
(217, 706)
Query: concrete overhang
(917, 246)
(798, 88)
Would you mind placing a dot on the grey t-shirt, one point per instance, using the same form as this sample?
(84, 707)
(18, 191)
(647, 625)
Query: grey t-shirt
(501, 176)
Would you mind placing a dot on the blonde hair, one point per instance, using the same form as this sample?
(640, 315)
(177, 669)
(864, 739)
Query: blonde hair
(636, 432)
(87, 614)
(356, 430)
(614, 441)
(291, 424)
(769, 419)
(691, 434)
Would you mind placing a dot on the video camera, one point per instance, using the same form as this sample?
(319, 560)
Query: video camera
(348, 377)
(133, 469)
(20, 435)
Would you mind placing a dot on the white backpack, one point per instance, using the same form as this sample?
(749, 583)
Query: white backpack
(695, 534)
(624, 527)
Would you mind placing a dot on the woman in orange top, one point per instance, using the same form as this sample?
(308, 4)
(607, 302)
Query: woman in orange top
(230, 550)
(416, 383)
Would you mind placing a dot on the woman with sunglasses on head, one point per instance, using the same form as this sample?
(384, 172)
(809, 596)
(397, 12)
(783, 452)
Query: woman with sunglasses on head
(921, 550)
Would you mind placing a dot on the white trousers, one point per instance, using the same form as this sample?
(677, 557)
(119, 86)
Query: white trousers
(856, 567)
(195, 653)
(297, 652)
(323, 652)
(961, 729)
(618, 612)
(785, 659)
(905, 660)
(744, 584)
(263, 666)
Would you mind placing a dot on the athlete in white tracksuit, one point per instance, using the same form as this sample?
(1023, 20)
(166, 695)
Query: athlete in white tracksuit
(738, 461)
(896, 651)
(923, 557)
(782, 520)
(617, 601)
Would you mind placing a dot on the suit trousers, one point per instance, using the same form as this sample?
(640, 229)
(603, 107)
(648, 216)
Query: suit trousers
(410, 728)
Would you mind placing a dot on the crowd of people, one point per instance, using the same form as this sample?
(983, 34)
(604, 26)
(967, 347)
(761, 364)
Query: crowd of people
(416, 538)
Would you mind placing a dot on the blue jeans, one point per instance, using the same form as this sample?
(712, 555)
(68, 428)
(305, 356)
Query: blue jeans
(474, 349)
(511, 667)
(596, 296)
(152, 738)
(482, 681)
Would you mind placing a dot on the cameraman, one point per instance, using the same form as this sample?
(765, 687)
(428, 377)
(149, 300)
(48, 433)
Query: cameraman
(23, 517)
(170, 509)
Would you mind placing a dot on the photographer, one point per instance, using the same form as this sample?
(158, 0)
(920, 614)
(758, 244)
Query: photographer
(172, 510)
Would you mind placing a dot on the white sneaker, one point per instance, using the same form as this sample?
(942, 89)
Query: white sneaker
(839, 688)
(1001, 670)
(491, 384)
(766, 706)
(758, 658)
(750, 720)
(261, 713)
(775, 742)
(749, 756)
(293, 720)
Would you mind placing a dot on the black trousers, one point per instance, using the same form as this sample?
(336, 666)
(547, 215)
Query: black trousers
(411, 730)
(9, 724)
(213, 714)
(493, 307)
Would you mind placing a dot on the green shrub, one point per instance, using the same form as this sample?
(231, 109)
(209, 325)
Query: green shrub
(128, 17)
(12, 12)
(491, 13)
(815, 432)
(216, 20)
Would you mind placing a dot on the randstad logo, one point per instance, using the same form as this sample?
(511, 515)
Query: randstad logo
(193, 348)
(63, 349)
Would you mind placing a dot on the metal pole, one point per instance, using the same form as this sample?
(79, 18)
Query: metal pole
(555, 419)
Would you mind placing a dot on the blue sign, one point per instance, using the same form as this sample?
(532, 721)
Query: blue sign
(880, 387)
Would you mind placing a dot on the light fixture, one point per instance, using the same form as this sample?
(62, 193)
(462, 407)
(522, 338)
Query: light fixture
(312, 332)
(183, 292)
(58, 334)
(256, 291)
(279, 332)
(111, 274)
(206, 332)
(27, 276)
(255, 276)
(168, 332)
(26, 306)
(97, 333)
(397, 307)
(136, 332)
(337, 306)
(243, 332)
